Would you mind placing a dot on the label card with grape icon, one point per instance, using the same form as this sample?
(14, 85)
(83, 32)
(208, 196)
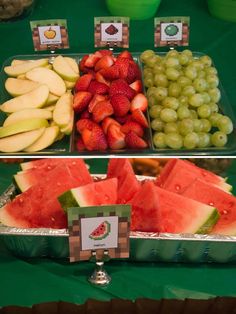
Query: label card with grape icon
(171, 31)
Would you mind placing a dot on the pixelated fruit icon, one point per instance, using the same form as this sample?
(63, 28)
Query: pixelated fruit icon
(50, 33)
(101, 232)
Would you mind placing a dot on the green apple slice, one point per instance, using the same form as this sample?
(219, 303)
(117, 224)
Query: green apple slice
(61, 66)
(63, 110)
(73, 64)
(18, 142)
(34, 99)
(15, 70)
(69, 85)
(52, 99)
(27, 114)
(46, 76)
(67, 130)
(16, 87)
(46, 139)
(23, 126)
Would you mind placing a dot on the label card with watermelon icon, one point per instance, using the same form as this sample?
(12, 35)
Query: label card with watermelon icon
(111, 31)
(49, 34)
(171, 31)
(99, 228)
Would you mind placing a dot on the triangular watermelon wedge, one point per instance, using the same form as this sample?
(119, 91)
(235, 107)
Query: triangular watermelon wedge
(101, 232)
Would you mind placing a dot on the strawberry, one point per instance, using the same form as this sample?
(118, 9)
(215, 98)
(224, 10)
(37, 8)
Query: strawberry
(104, 62)
(132, 126)
(120, 86)
(91, 60)
(133, 72)
(94, 139)
(80, 145)
(99, 77)
(107, 122)
(115, 138)
(96, 98)
(123, 64)
(111, 73)
(83, 82)
(138, 116)
(120, 104)
(85, 114)
(103, 52)
(81, 101)
(96, 87)
(137, 86)
(102, 110)
(132, 140)
(83, 124)
(139, 102)
(125, 54)
(82, 63)
(123, 119)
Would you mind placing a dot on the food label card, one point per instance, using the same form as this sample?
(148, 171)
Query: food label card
(49, 34)
(111, 31)
(99, 228)
(171, 31)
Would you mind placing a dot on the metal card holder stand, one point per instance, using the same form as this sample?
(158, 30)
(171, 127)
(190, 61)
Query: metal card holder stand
(99, 277)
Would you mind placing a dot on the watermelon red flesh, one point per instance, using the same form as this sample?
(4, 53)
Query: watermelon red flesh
(157, 210)
(178, 174)
(128, 184)
(224, 202)
(43, 163)
(38, 206)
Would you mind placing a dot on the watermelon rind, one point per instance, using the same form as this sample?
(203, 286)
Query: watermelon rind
(21, 181)
(72, 198)
(210, 222)
(102, 236)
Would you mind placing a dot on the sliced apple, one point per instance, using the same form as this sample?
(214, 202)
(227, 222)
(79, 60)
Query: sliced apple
(67, 130)
(69, 85)
(27, 114)
(18, 142)
(15, 70)
(21, 77)
(61, 66)
(46, 76)
(16, 61)
(46, 139)
(52, 99)
(63, 110)
(23, 126)
(49, 66)
(34, 99)
(16, 87)
(50, 108)
(73, 64)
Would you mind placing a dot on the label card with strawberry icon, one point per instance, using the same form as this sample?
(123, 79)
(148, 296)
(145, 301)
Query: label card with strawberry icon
(111, 31)
(171, 31)
(49, 34)
(98, 229)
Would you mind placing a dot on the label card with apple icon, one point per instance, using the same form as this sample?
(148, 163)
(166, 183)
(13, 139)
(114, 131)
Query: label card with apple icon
(49, 34)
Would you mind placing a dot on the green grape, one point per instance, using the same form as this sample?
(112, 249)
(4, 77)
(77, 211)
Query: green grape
(188, 53)
(201, 74)
(146, 54)
(183, 59)
(151, 61)
(184, 81)
(183, 112)
(196, 100)
(159, 140)
(190, 72)
(151, 101)
(225, 125)
(148, 81)
(172, 62)
(160, 93)
(168, 115)
(171, 127)
(186, 126)
(172, 53)
(206, 97)
(151, 90)
(170, 102)
(206, 125)
(174, 140)
(147, 71)
(157, 125)
(174, 89)
(159, 68)
(214, 119)
(211, 70)
(188, 91)
(212, 80)
(206, 60)
(204, 140)
(160, 79)
(193, 114)
(204, 111)
(197, 125)
(191, 140)
(214, 107)
(218, 139)
(197, 64)
(183, 100)
(215, 94)
(172, 74)
(200, 85)
(154, 111)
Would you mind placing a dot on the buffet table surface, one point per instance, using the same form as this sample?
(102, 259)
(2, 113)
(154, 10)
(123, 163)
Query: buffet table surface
(30, 281)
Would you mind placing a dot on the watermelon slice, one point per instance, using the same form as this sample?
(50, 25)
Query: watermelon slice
(101, 232)
(38, 206)
(170, 212)
(128, 184)
(27, 178)
(98, 193)
(178, 174)
(224, 202)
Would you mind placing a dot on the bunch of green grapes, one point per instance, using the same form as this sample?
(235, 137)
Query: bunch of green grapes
(183, 98)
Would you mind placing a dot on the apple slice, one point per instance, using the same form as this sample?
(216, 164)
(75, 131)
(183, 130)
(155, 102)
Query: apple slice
(23, 126)
(16, 61)
(16, 87)
(63, 110)
(34, 99)
(27, 114)
(46, 76)
(50, 108)
(52, 99)
(61, 66)
(18, 142)
(69, 127)
(21, 77)
(46, 139)
(69, 85)
(15, 70)
(73, 64)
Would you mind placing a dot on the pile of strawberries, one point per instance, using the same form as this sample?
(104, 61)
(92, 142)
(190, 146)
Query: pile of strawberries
(109, 103)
